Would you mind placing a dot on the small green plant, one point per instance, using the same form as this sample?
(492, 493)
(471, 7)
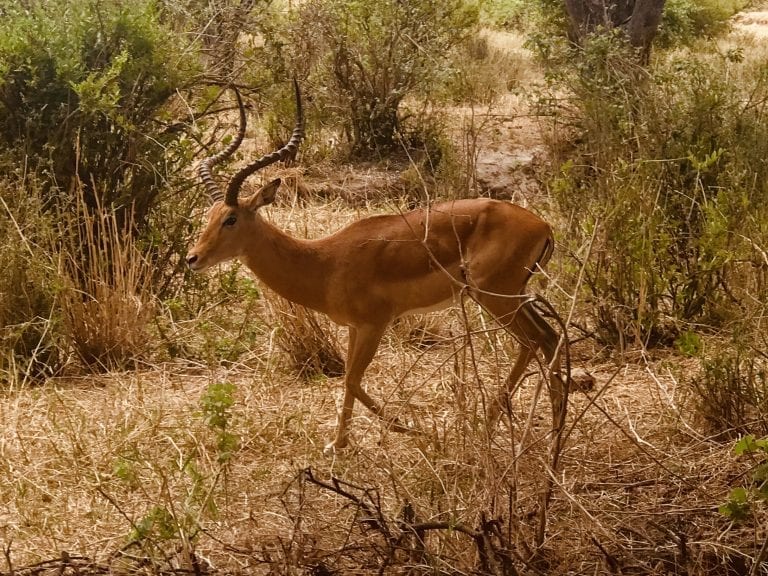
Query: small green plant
(742, 499)
(216, 406)
(188, 488)
(124, 469)
(689, 343)
(158, 524)
(222, 334)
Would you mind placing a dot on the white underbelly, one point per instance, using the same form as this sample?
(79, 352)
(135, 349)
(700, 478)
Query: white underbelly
(447, 303)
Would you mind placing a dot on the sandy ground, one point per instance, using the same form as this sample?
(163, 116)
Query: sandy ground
(754, 23)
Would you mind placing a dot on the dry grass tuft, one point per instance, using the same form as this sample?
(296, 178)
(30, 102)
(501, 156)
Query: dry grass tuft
(106, 298)
(307, 338)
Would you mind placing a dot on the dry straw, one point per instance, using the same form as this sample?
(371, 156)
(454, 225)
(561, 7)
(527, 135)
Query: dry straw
(106, 296)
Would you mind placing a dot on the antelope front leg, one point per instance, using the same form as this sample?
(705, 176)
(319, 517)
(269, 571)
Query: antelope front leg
(363, 343)
(342, 435)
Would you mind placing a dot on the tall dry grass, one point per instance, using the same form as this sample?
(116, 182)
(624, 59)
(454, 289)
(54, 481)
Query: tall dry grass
(29, 347)
(77, 292)
(106, 296)
(307, 338)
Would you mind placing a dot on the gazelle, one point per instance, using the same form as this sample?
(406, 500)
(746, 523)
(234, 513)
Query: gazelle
(380, 268)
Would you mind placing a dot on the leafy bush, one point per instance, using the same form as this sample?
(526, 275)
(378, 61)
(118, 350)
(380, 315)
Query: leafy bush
(682, 23)
(668, 172)
(83, 99)
(685, 20)
(89, 137)
(216, 406)
(375, 55)
(511, 14)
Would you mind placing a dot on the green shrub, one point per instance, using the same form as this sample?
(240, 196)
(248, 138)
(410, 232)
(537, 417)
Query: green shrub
(372, 56)
(669, 173)
(216, 406)
(510, 14)
(83, 98)
(682, 23)
(90, 134)
(685, 20)
(88, 105)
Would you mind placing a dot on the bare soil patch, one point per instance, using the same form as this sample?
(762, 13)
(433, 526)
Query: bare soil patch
(753, 22)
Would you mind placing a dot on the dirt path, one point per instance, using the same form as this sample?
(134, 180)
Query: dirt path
(755, 23)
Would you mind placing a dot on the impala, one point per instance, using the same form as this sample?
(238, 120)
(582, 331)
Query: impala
(383, 267)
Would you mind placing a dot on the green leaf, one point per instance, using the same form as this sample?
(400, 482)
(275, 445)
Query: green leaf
(689, 343)
(215, 404)
(760, 475)
(746, 444)
(738, 507)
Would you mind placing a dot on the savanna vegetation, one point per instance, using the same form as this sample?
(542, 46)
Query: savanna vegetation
(156, 422)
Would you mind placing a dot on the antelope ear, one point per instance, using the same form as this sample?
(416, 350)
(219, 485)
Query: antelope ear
(265, 196)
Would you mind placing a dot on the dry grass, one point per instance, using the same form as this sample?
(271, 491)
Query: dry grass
(86, 461)
(309, 339)
(126, 470)
(106, 297)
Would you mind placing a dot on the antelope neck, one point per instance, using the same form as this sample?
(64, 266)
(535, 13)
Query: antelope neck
(292, 267)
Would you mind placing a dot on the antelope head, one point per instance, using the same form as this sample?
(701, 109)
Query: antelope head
(230, 217)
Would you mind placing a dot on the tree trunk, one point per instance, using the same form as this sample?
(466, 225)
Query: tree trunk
(225, 23)
(638, 18)
(643, 25)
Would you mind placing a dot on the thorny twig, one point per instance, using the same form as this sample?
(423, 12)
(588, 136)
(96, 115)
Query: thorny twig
(495, 555)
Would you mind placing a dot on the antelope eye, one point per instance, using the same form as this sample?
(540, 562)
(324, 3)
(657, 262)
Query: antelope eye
(230, 221)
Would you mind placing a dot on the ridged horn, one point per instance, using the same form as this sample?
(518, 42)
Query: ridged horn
(205, 166)
(286, 152)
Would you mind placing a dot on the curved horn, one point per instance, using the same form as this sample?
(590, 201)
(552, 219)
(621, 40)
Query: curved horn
(284, 153)
(204, 169)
